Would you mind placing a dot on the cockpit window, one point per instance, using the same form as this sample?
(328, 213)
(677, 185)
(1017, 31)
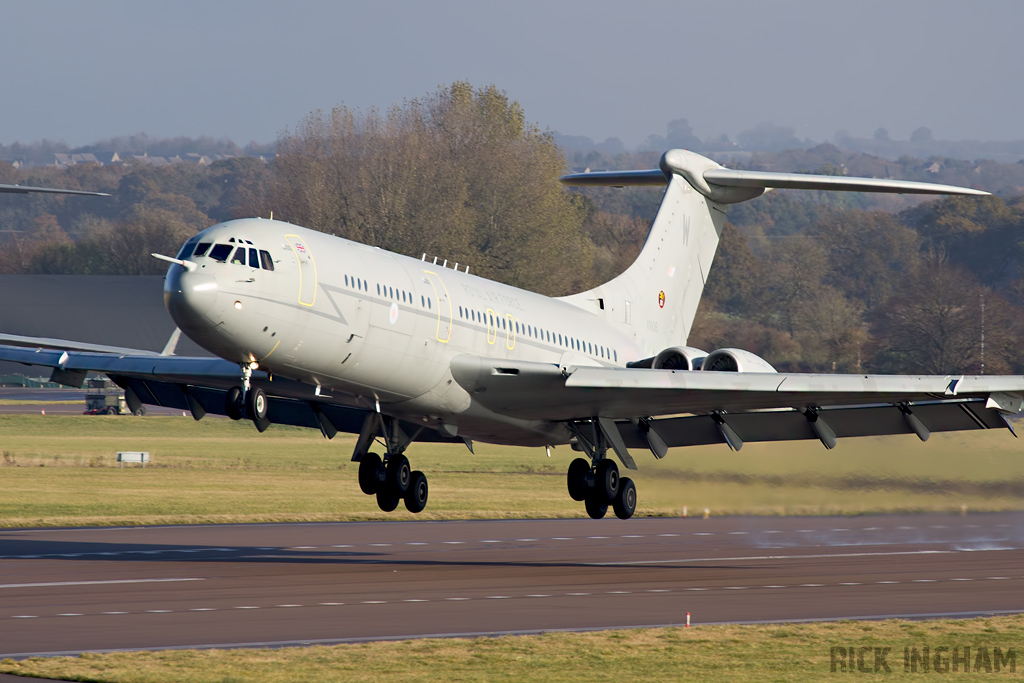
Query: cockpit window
(201, 248)
(220, 252)
(186, 249)
(266, 259)
(254, 260)
(239, 256)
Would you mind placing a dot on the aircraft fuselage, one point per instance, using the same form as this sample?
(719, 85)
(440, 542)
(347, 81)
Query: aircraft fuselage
(375, 326)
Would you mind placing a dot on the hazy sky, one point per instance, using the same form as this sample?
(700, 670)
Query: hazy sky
(80, 71)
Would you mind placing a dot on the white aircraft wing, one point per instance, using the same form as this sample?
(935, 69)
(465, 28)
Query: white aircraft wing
(25, 189)
(195, 384)
(685, 407)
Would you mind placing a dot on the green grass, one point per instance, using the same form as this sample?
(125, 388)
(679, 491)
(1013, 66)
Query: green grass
(62, 470)
(784, 652)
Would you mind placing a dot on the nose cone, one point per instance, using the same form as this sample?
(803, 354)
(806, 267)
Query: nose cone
(190, 297)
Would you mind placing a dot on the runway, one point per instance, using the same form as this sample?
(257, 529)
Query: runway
(71, 590)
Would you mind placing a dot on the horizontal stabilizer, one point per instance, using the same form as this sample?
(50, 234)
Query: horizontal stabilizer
(25, 189)
(616, 178)
(725, 177)
(728, 186)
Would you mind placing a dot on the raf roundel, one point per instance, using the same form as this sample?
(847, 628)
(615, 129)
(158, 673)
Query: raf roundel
(661, 299)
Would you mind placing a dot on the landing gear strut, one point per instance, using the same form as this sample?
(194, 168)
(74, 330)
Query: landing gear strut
(391, 479)
(246, 401)
(597, 483)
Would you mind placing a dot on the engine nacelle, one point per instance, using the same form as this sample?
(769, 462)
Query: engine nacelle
(679, 358)
(736, 360)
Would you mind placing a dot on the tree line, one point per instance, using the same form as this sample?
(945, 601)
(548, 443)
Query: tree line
(811, 281)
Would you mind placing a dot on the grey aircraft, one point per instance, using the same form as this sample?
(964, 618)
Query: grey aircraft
(314, 330)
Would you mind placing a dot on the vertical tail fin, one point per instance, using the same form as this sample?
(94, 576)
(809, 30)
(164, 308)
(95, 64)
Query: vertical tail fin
(655, 299)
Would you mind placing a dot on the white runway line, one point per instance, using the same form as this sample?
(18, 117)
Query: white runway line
(92, 583)
(627, 563)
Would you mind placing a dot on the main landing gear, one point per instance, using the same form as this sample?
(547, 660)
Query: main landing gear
(391, 479)
(248, 401)
(597, 483)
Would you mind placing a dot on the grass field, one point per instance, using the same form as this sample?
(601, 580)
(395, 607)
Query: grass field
(62, 470)
(784, 652)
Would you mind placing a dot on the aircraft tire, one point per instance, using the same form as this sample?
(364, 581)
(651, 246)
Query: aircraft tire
(233, 403)
(369, 466)
(256, 404)
(606, 480)
(387, 499)
(625, 502)
(577, 479)
(595, 508)
(399, 474)
(416, 496)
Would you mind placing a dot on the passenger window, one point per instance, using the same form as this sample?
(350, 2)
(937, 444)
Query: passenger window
(220, 252)
(239, 256)
(201, 249)
(254, 259)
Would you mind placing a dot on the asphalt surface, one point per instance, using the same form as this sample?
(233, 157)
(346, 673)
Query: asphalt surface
(71, 590)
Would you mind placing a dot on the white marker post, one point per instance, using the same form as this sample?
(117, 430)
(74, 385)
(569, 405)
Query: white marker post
(687, 620)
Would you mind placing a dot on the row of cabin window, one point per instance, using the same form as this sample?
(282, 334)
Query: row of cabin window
(389, 292)
(220, 252)
(537, 333)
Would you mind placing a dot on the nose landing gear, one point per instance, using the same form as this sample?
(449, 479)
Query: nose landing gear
(247, 401)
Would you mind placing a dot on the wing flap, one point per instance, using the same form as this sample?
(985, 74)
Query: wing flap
(791, 425)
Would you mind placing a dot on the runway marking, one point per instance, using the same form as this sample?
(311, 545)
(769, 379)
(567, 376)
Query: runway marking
(531, 540)
(678, 591)
(597, 538)
(380, 545)
(631, 536)
(737, 533)
(669, 535)
(626, 563)
(92, 583)
(313, 547)
(453, 542)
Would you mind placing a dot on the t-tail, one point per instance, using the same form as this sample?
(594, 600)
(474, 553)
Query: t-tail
(655, 300)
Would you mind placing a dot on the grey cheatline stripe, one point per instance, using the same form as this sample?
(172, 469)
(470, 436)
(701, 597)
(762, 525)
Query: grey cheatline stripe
(92, 583)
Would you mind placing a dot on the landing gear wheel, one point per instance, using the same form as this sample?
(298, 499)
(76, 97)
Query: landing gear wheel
(595, 508)
(233, 403)
(398, 474)
(577, 478)
(387, 499)
(369, 466)
(256, 403)
(416, 496)
(625, 502)
(606, 480)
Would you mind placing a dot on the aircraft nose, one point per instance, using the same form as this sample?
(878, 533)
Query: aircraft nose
(189, 296)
